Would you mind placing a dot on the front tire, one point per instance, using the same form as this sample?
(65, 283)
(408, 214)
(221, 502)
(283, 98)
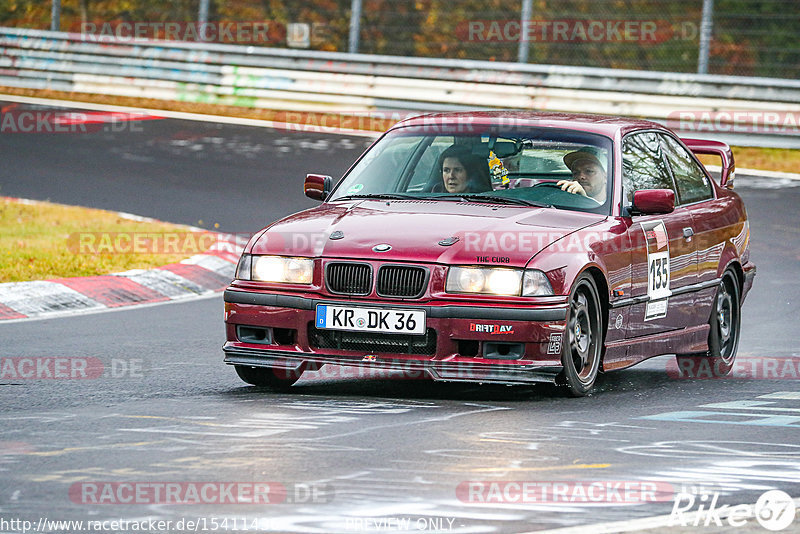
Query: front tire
(267, 377)
(583, 341)
(723, 335)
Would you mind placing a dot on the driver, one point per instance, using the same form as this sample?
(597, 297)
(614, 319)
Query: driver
(588, 173)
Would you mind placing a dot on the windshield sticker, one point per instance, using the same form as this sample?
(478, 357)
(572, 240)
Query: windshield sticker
(355, 188)
(658, 269)
(497, 169)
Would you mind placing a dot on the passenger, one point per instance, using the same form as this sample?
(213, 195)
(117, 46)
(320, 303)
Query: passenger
(588, 173)
(464, 172)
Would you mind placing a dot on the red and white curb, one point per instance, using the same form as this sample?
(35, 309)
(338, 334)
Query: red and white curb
(202, 275)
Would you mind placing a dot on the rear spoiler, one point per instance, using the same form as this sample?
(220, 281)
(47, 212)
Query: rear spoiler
(715, 148)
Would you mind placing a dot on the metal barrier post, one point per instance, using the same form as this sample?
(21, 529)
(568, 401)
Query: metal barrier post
(55, 16)
(355, 26)
(525, 17)
(202, 14)
(706, 25)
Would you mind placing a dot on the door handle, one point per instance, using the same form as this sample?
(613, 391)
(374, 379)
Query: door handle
(688, 232)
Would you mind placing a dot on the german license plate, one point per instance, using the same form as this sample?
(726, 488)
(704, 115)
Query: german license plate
(389, 321)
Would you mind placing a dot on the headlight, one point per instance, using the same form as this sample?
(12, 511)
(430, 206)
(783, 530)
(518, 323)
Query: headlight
(466, 280)
(497, 281)
(243, 267)
(535, 284)
(503, 282)
(275, 269)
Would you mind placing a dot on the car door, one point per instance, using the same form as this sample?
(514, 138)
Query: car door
(709, 219)
(663, 257)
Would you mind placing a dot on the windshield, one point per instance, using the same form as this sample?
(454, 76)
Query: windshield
(532, 166)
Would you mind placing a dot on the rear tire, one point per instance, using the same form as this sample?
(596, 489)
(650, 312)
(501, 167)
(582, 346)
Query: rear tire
(267, 377)
(583, 341)
(723, 335)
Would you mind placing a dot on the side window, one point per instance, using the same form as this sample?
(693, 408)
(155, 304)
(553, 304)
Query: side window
(643, 165)
(693, 184)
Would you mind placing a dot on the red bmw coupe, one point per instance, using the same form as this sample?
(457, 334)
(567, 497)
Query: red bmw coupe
(500, 247)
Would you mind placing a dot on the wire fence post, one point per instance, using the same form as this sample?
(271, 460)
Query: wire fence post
(202, 13)
(355, 26)
(525, 17)
(55, 16)
(706, 26)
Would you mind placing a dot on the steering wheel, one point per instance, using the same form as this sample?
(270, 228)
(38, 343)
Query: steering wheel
(548, 184)
(553, 185)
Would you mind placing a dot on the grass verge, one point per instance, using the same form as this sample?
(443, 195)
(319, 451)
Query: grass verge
(41, 241)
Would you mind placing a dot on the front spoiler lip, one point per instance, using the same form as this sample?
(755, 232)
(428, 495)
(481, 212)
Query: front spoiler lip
(436, 370)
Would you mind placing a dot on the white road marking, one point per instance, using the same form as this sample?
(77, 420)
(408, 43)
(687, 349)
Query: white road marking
(181, 115)
(782, 395)
(702, 449)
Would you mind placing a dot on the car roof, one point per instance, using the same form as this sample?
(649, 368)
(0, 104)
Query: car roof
(602, 124)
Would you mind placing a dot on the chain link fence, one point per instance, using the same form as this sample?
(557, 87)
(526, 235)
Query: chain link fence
(747, 37)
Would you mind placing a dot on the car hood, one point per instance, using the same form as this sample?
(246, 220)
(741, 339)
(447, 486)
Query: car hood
(418, 231)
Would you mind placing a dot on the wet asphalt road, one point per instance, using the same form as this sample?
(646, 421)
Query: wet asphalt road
(377, 452)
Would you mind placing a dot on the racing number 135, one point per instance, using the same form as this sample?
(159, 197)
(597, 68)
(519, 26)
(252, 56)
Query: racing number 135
(659, 273)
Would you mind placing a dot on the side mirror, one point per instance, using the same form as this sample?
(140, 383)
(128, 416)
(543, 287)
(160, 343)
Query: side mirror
(653, 201)
(317, 186)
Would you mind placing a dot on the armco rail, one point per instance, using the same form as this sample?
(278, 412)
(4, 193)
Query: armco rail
(323, 81)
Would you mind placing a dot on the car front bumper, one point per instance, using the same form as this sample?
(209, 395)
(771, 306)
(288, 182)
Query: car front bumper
(468, 342)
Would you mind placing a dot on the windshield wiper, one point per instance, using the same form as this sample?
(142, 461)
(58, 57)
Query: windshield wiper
(509, 200)
(498, 200)
(380, 196)
(467, 197)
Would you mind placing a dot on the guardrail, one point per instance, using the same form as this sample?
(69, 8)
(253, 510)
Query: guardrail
(283, 79)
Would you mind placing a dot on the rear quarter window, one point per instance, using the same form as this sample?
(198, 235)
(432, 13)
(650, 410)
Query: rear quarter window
(693, 184)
